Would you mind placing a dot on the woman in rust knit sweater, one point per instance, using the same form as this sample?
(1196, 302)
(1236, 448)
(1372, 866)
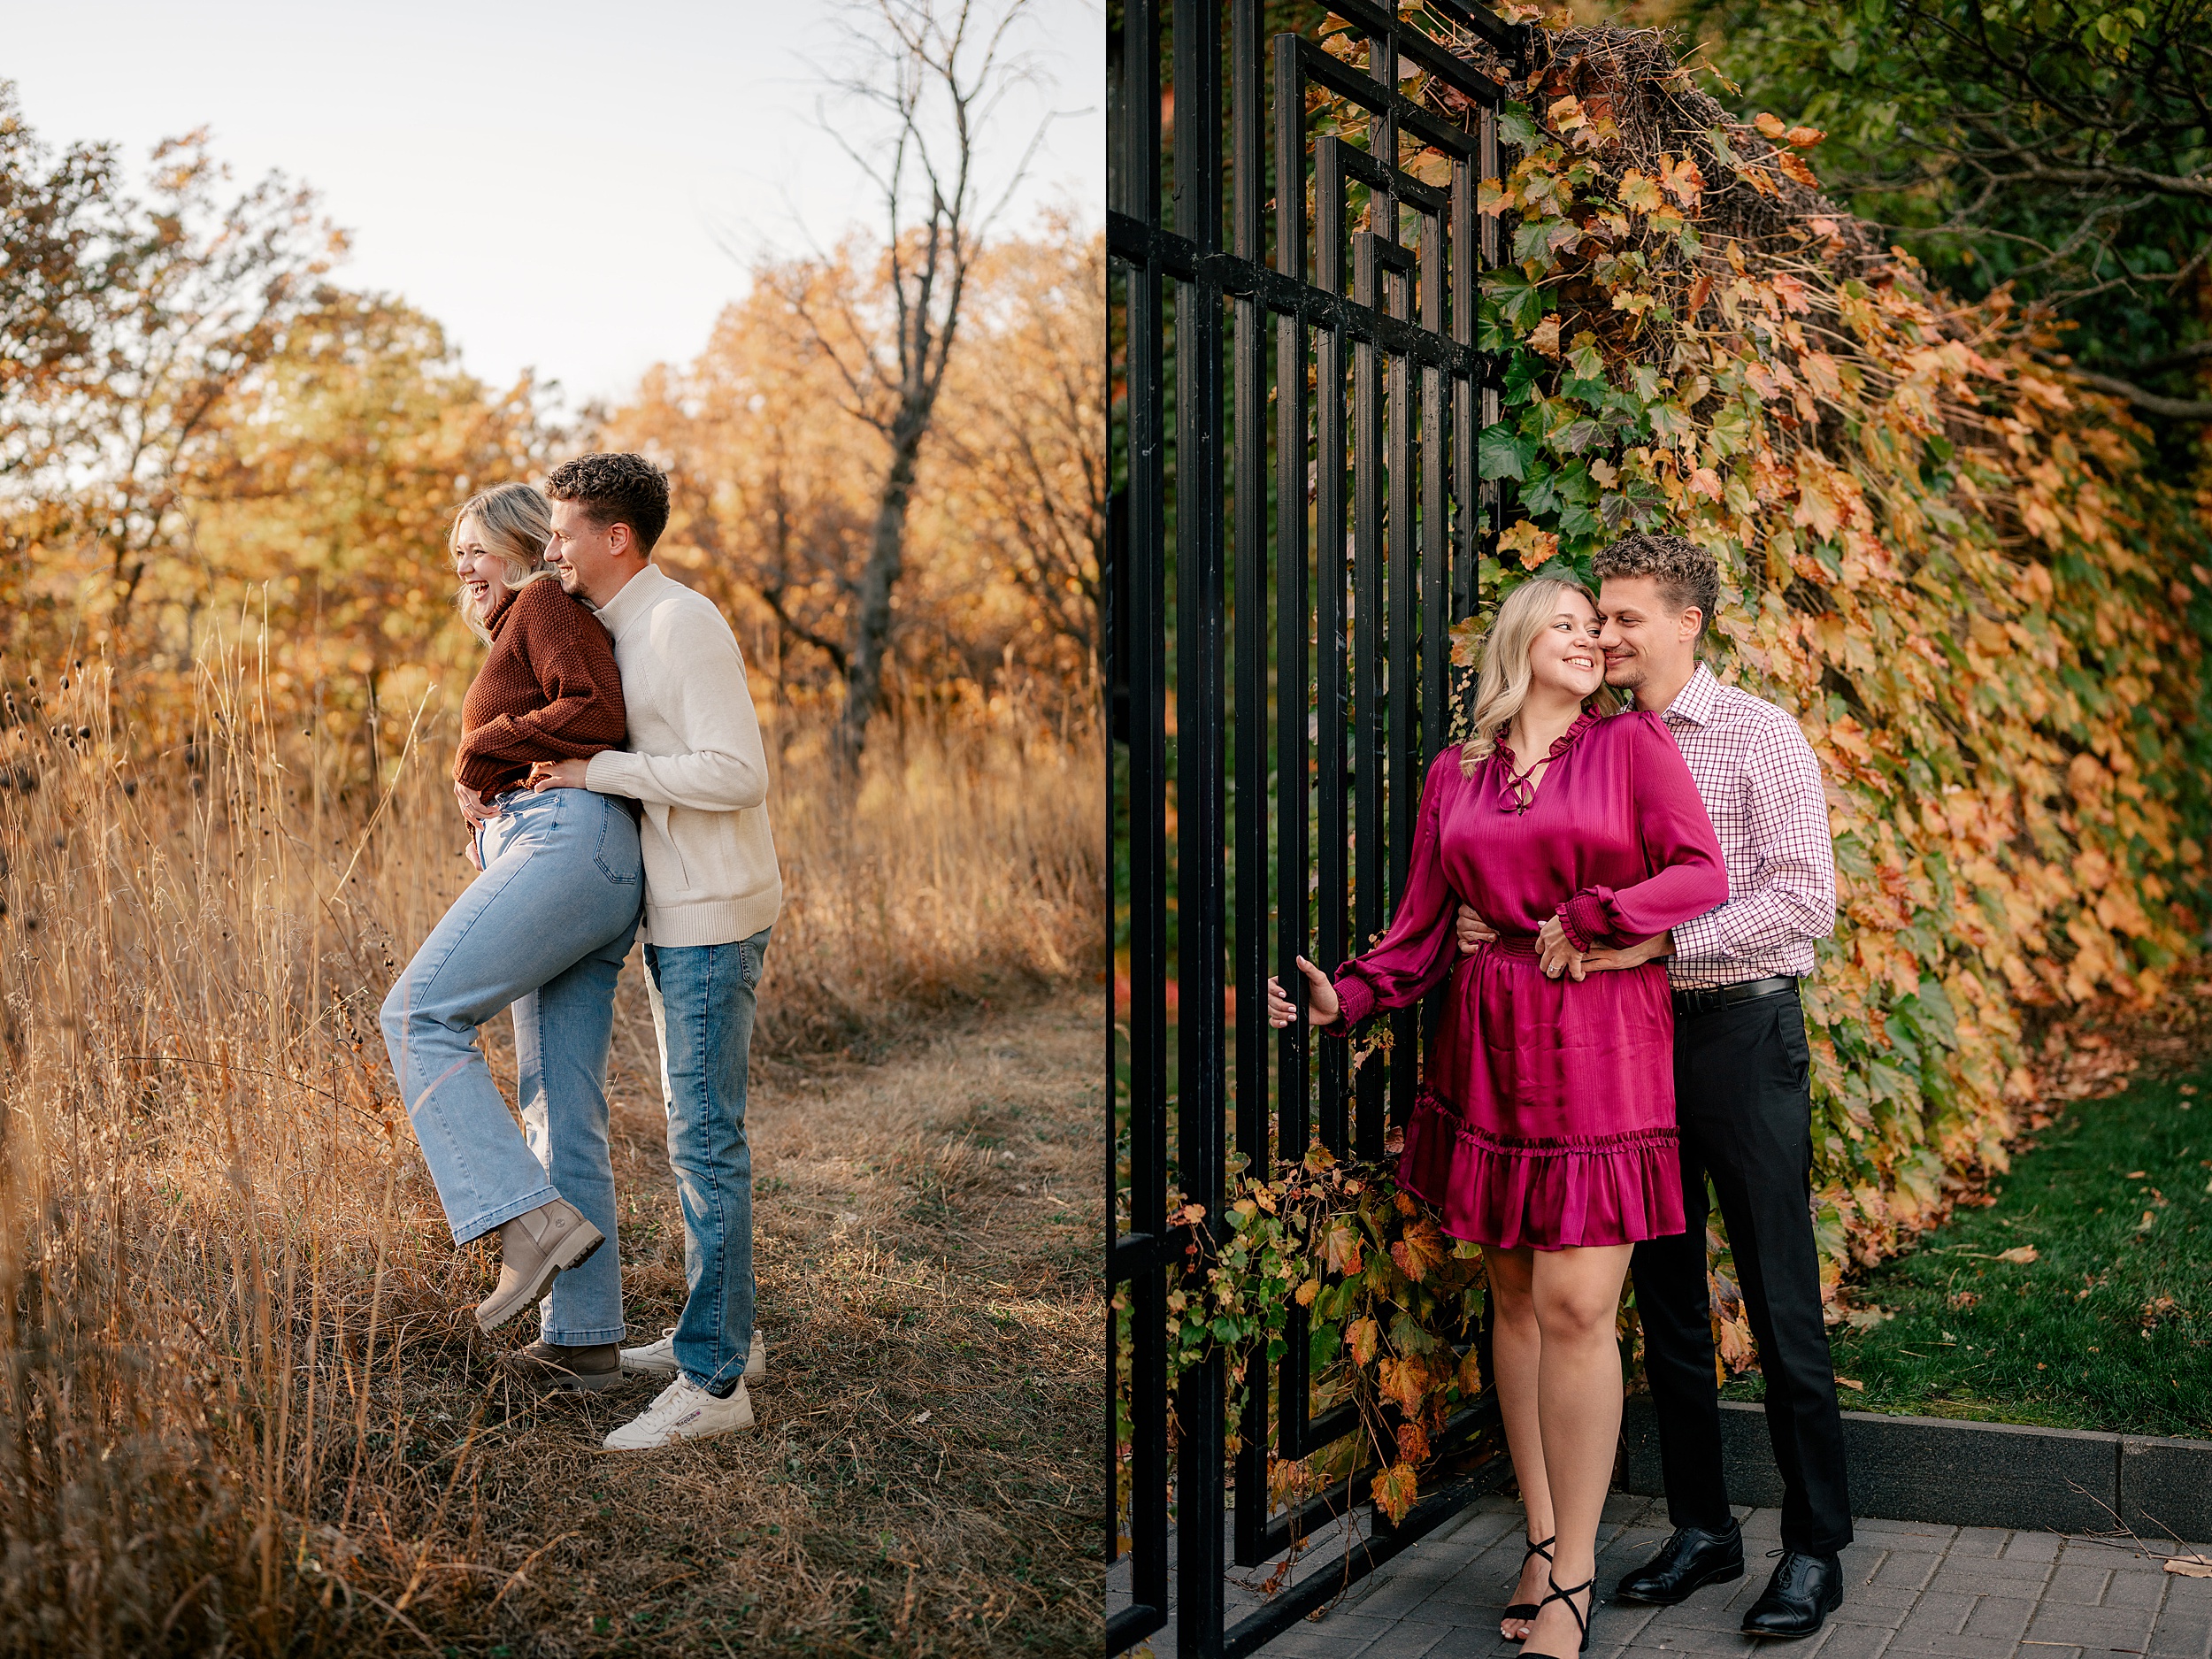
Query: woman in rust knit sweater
(543, 930)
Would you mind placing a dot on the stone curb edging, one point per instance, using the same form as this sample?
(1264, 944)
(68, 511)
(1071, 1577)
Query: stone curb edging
(1958, 1473)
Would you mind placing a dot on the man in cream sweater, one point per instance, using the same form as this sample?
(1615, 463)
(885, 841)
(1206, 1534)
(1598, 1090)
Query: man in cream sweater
(694, 762)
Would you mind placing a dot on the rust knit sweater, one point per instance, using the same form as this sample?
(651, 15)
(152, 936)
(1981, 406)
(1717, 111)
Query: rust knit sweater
(549, 690)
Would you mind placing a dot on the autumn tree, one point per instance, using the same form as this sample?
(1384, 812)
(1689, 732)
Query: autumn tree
(926, 80)
(775, 506)
(1031, 467)
(198, 427)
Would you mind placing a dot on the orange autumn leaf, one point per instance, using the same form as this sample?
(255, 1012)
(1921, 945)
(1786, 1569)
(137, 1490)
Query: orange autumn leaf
(1420, 1249)
(1395, 1490)
(1403, 1382)
(1341, 1247)
(1362, 1337)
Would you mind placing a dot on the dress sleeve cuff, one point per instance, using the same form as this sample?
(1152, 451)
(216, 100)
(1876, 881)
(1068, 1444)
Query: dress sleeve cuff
(1356, 1000)
(1589, 918)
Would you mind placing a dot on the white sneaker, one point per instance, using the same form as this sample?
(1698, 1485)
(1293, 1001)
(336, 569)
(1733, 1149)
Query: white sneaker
(661, 1356)
(683, 1411)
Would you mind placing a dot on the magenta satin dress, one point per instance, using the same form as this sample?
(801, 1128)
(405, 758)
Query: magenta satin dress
(1545, 1115)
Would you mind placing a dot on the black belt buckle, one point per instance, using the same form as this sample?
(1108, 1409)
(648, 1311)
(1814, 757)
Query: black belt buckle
(1710, 999)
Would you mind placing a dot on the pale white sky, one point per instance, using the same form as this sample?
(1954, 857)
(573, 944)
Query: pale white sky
(444, 134)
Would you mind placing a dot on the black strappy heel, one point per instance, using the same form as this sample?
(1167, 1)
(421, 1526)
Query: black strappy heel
(1525, 1610)
(1568, 1596)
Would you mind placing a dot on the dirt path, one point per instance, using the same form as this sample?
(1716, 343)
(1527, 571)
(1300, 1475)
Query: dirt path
(924, 1477)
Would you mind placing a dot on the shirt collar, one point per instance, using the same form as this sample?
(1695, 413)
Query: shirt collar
(637, 594)
(1694, 703)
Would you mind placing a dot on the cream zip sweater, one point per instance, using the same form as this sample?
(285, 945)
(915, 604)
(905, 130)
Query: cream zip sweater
(694, 758)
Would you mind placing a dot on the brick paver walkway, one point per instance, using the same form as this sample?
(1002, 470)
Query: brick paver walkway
(1910, 1589)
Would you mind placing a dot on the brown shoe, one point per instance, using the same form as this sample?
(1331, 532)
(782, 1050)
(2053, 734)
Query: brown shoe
(534, 1249)
(588, 1366)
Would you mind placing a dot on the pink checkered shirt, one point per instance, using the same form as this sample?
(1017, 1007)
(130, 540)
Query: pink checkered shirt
(1762, 785)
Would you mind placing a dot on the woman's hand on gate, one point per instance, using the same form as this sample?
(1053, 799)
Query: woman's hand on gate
(1322, 1006)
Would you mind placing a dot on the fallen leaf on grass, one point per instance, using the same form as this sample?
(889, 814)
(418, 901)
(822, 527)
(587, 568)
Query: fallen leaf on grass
(1851, 1382)
(2136, 1175)
(2021, 1253)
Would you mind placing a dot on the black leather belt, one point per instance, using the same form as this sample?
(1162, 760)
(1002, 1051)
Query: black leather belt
(1713, 998)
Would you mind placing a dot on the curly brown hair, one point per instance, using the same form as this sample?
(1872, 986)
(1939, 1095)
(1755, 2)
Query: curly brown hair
(1687, 573)
(616, 489)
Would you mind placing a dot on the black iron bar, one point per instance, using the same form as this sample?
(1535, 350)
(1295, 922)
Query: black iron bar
(1294, 796)
(1329, 572)
(1378, 25)
(1137, 243)
(1368, 820)
(1200, 839)
(1349, 84)
(1436, 560)
(1146, 637)
(1248, 236)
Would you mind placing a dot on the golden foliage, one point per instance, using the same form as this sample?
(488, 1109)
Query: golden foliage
(228, 1297)
(776, 473)
(1954, 562)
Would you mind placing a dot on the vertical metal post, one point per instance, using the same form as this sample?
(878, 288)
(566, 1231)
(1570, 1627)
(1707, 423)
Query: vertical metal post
(1368, 895)
(1201, 1101)
(1329, 572)
(1247, 238)
(1293, 1121)
(1146, 637)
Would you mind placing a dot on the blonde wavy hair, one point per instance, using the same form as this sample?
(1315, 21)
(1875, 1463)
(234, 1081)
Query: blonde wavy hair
(1503, 686)
(515, 524)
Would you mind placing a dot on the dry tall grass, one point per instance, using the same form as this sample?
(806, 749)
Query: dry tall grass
(223, 1277)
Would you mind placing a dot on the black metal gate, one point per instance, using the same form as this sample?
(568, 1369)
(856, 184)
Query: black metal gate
(1273, 744)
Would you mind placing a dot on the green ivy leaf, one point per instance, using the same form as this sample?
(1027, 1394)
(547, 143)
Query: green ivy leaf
(1517, 127)
(1500, 452)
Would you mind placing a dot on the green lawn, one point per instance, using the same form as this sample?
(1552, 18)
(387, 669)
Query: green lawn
(2109, 1325)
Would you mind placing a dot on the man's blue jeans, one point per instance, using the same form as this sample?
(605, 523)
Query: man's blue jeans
(703, 1011)
(543, 930)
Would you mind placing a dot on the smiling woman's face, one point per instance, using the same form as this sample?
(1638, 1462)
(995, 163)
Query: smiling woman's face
(483, 575)
(1565, 655)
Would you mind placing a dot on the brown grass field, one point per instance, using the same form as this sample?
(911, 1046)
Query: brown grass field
(245, 1408)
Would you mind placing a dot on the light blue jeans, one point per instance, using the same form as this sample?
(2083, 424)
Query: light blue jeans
(543, 931)
(703, 1011)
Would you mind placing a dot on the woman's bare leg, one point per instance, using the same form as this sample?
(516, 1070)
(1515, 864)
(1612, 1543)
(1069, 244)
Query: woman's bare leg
(1515, 1348)
(1578, 1296)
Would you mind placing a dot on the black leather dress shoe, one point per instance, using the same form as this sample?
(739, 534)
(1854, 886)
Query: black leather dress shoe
(1804, 1590)
(1687, 1562)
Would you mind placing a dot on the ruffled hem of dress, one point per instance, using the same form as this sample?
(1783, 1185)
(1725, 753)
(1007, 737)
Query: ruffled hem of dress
(1548, 1194)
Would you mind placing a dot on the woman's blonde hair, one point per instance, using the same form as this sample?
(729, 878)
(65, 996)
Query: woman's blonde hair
(1503, 686)
(514, 523)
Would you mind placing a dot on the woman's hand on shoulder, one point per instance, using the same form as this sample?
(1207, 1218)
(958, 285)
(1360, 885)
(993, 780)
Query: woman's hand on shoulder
(1322, 1005)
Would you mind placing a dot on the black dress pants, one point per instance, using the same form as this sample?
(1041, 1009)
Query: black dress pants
(1743, 1097)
